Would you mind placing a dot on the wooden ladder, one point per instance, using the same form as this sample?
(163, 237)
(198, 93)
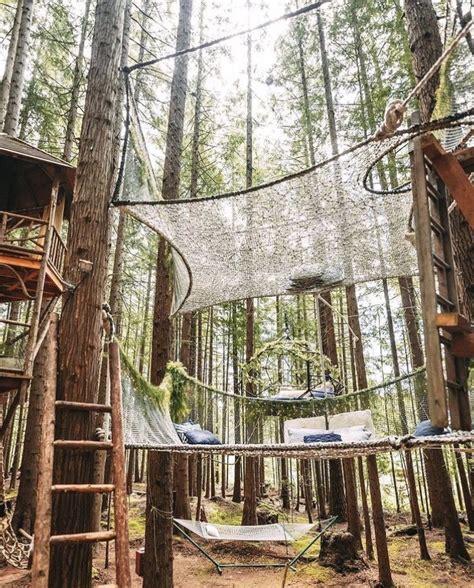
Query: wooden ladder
(442, 320)
(42, 532)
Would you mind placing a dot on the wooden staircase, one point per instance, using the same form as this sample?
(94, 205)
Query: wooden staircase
(42, 535)
(434, 172)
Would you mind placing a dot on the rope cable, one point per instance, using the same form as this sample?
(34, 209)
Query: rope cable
(286, 16)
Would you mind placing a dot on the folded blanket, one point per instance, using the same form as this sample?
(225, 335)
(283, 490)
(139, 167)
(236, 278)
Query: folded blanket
(323, 438)
(425, 429)
(196, 437)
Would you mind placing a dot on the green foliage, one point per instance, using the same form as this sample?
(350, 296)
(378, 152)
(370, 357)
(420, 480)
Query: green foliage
(158, 395)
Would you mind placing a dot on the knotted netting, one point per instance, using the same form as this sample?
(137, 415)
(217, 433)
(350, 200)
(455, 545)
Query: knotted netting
(331, 225)
(146, 416)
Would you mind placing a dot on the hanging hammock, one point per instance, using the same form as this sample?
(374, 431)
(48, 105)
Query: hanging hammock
(277, 532)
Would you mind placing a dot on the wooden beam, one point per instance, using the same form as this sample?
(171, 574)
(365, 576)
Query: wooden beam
(463, 345)
(453, 175)
(93, 537)
(453, 322)
(122, 544)
(42, 530)
(84, 488)
(437, 400)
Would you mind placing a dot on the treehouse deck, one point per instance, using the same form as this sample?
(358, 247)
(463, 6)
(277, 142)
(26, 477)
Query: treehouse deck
(21, 251)
(35, 200)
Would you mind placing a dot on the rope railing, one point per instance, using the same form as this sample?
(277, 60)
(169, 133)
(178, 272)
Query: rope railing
(460, 440)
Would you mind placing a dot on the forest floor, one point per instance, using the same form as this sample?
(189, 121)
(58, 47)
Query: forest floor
(191, 570)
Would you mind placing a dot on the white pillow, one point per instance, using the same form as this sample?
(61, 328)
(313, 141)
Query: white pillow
(350, 419)
(353, 434)
(298, 435)
(303, 423)
(212, 531)
(288, 393)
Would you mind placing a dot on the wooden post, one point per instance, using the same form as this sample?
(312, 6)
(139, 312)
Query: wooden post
(383, 561)
(122, 545)
(42, 532)
(437, 403)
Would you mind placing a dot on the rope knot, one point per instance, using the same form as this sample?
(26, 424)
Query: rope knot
(393, 118)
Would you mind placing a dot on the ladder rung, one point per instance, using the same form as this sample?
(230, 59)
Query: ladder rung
(441, 263)
(445, 340)
(436, 226)
(85, 445)
(93, 537)
(70, 405)
(84, 488)
(444, 301)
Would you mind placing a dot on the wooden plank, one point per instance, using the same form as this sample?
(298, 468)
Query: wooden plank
(42, 531)
(83, 445)
(463, 345)
(453, 175)
(453, 322)
(93, 537)
(84, 488)
(86, 406)
(437, 401)
(122, 544)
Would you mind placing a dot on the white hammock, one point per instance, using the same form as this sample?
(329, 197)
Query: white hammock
(275, 532)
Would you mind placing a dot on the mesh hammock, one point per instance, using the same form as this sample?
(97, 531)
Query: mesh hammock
(327, 226)
(146, 420)
(287, 532)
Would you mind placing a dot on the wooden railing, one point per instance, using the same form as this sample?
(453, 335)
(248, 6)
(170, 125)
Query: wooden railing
(22, 235)
(57, 251)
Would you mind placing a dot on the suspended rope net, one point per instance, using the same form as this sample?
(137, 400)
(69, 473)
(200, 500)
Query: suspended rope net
(340, 222)
(395, 407)
(308, 232)
(146, 408)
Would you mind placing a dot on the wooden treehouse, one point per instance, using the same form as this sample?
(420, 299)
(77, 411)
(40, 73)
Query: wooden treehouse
(442, 180)
(35, 200)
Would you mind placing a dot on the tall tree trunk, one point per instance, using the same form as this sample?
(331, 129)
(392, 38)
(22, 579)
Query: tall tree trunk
(76, 87)
(157, 568)
(25, 506)
(425, 46)
(80, 328)
(9, 63)
(237, 490)
(337, 503)
(12, 114)
(249, 515)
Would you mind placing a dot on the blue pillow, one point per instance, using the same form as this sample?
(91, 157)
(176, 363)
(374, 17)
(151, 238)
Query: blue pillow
(323, 438)
(201, 437)
(425, 429)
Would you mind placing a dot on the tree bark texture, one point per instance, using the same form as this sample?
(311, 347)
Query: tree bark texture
(80, 328)
(9, 63)
(425, 46)
(12, 114)
(158, 569)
